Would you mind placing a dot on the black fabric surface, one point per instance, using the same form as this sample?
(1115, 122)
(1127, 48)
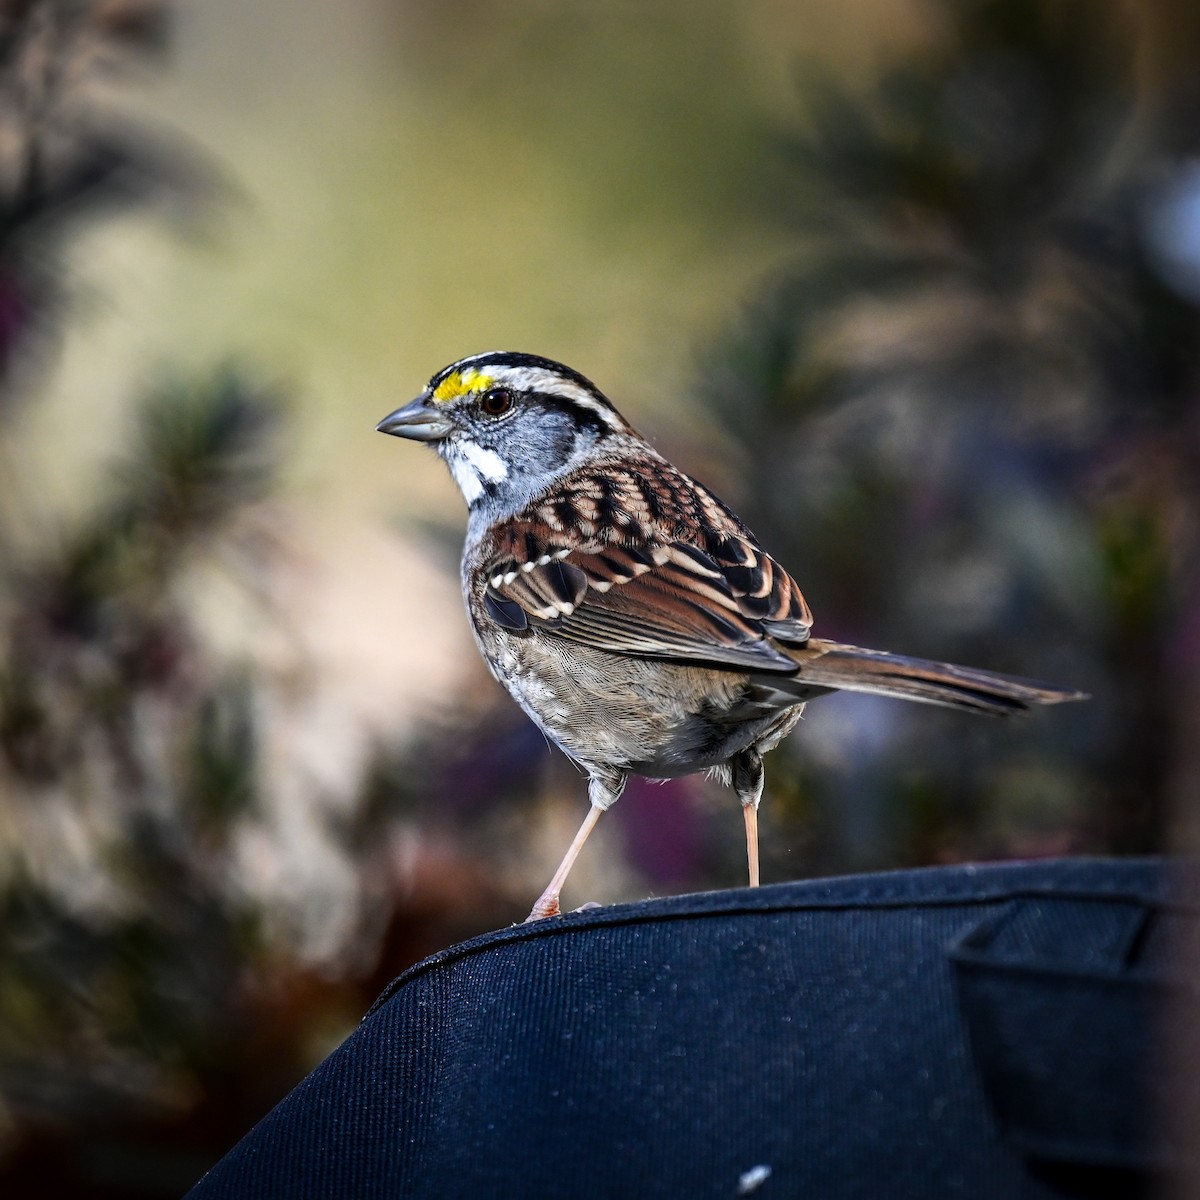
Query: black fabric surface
(984, 1032)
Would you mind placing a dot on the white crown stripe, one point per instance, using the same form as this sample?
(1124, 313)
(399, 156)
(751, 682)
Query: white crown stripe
(539, 379)
(488, 369)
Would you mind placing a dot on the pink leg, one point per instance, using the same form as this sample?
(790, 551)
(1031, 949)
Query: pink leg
(750, 812)
(547, 902)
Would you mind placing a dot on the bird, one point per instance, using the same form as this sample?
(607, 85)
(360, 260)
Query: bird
(626, 608)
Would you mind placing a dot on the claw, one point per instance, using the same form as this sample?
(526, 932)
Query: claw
(546, 906)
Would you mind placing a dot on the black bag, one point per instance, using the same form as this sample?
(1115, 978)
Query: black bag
(967, 1031)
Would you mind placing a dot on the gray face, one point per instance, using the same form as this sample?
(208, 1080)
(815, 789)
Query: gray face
(500, 462)
(506, 430)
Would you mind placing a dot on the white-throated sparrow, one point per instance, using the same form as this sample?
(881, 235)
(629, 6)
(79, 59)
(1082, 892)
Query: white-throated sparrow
(627, 609)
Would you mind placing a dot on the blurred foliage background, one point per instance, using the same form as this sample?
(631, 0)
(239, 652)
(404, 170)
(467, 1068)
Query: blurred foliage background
(915, 284)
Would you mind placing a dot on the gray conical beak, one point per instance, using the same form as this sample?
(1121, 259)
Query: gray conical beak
(421, 421)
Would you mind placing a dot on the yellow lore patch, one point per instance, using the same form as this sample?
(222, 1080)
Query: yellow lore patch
(459, 383)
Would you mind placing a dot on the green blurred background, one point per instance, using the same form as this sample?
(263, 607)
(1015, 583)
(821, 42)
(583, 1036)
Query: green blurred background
(914, 284)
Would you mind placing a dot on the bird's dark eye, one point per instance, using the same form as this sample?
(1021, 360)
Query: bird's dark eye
(496, 401)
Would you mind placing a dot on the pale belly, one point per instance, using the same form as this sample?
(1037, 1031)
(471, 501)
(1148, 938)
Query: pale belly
(650, 718)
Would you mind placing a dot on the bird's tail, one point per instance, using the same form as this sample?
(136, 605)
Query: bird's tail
(826, 664)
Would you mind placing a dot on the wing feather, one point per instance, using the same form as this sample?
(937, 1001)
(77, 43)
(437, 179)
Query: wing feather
(635, 586)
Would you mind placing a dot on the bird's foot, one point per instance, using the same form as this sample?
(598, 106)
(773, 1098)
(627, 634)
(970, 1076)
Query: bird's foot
(546, 906)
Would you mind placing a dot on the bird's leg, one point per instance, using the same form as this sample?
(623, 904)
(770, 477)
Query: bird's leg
(602, 791)
(748, 778)
(750, 813)
(546, 904)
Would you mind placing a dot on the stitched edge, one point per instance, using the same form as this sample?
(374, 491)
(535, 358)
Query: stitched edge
(1168, 884)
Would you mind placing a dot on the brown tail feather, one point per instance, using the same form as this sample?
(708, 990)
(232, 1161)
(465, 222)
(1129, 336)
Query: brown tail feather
(854, 669)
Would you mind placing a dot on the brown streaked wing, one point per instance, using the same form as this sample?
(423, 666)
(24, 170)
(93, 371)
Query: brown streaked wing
(633, 585)
(666, 601)
(764, 591)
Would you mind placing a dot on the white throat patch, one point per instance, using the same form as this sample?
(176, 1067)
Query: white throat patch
(472, 465)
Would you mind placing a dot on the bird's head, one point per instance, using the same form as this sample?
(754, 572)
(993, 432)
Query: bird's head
(507, 424)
